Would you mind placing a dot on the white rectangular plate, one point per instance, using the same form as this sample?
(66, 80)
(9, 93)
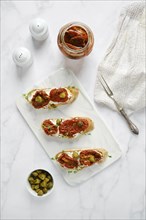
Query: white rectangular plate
(100, 137)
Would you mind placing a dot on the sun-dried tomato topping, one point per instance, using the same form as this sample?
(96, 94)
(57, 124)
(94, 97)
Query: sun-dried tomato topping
(58, 95)
(69, 34)
(76, 37)
(49, 128)
(67, 161)
(40, 99)
(77, 41)
(72, 46)
(73, 126)
(89, 157)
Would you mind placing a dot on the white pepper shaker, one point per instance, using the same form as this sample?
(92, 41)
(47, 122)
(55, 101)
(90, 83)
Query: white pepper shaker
(22, 57)
(39, 29)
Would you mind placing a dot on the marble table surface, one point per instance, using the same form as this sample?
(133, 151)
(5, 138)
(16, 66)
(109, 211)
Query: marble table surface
(115, 193)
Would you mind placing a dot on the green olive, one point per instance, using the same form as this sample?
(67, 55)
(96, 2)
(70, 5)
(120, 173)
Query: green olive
(33, 187)
(37, 190)
(36, 186)
(46, 179)
(32, 182)
(43, 184)
(40, 192)
(45, 190)
(49, 177)
(58, 121)
(40, 181)
(37, 181)
(42, 176)
(75, 154)
(62, 95)
(35, 174)
(38, 171)
(92, 159)
(30, 179)
(49, 185)
(39, 99)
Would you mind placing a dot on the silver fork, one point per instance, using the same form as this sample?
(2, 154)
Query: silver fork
(109, 92)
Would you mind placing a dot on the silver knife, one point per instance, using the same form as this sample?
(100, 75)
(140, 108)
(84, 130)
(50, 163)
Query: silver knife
(109, 92)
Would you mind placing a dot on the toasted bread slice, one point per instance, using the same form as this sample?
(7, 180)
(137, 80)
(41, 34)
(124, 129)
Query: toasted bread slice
(74, 91)
(50, 98)
(68, 128)
(77, 159)
(90, 127)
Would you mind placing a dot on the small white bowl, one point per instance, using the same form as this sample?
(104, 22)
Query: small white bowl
(32, 192)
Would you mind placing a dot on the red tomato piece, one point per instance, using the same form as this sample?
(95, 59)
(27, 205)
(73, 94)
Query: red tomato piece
(49, 128)
(40, 99)
(58, 95)
(73, 126)
(67, 161)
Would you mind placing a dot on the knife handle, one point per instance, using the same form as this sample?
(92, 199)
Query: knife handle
(132, 126)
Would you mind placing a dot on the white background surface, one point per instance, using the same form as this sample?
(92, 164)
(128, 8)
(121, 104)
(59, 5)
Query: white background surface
(115, 193)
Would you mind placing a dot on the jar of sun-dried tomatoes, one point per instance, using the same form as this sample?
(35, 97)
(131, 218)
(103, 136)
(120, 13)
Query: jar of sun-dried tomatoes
(75, 40)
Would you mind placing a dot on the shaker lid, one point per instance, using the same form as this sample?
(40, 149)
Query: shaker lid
(21, 56)
(38, 27)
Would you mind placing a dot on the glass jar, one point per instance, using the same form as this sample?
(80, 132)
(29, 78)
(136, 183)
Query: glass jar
(75, 40)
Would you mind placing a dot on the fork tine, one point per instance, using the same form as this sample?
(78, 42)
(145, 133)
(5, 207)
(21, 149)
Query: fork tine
(107, 92)
(107, 88)
(107, 84)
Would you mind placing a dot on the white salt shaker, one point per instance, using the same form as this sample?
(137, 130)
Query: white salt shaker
(22, 57)
(39, 29)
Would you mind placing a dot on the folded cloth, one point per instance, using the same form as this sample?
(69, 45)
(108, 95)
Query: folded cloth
(123, 66)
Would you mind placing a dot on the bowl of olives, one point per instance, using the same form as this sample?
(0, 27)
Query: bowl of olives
(40, 183)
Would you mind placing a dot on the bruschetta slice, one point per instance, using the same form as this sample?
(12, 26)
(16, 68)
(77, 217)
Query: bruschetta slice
(78, 159)
(67, 128)
(51, 98)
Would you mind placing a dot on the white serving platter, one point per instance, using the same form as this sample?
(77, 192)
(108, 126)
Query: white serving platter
(100, 137)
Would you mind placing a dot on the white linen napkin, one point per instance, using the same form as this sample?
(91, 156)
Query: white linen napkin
(123, 66)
